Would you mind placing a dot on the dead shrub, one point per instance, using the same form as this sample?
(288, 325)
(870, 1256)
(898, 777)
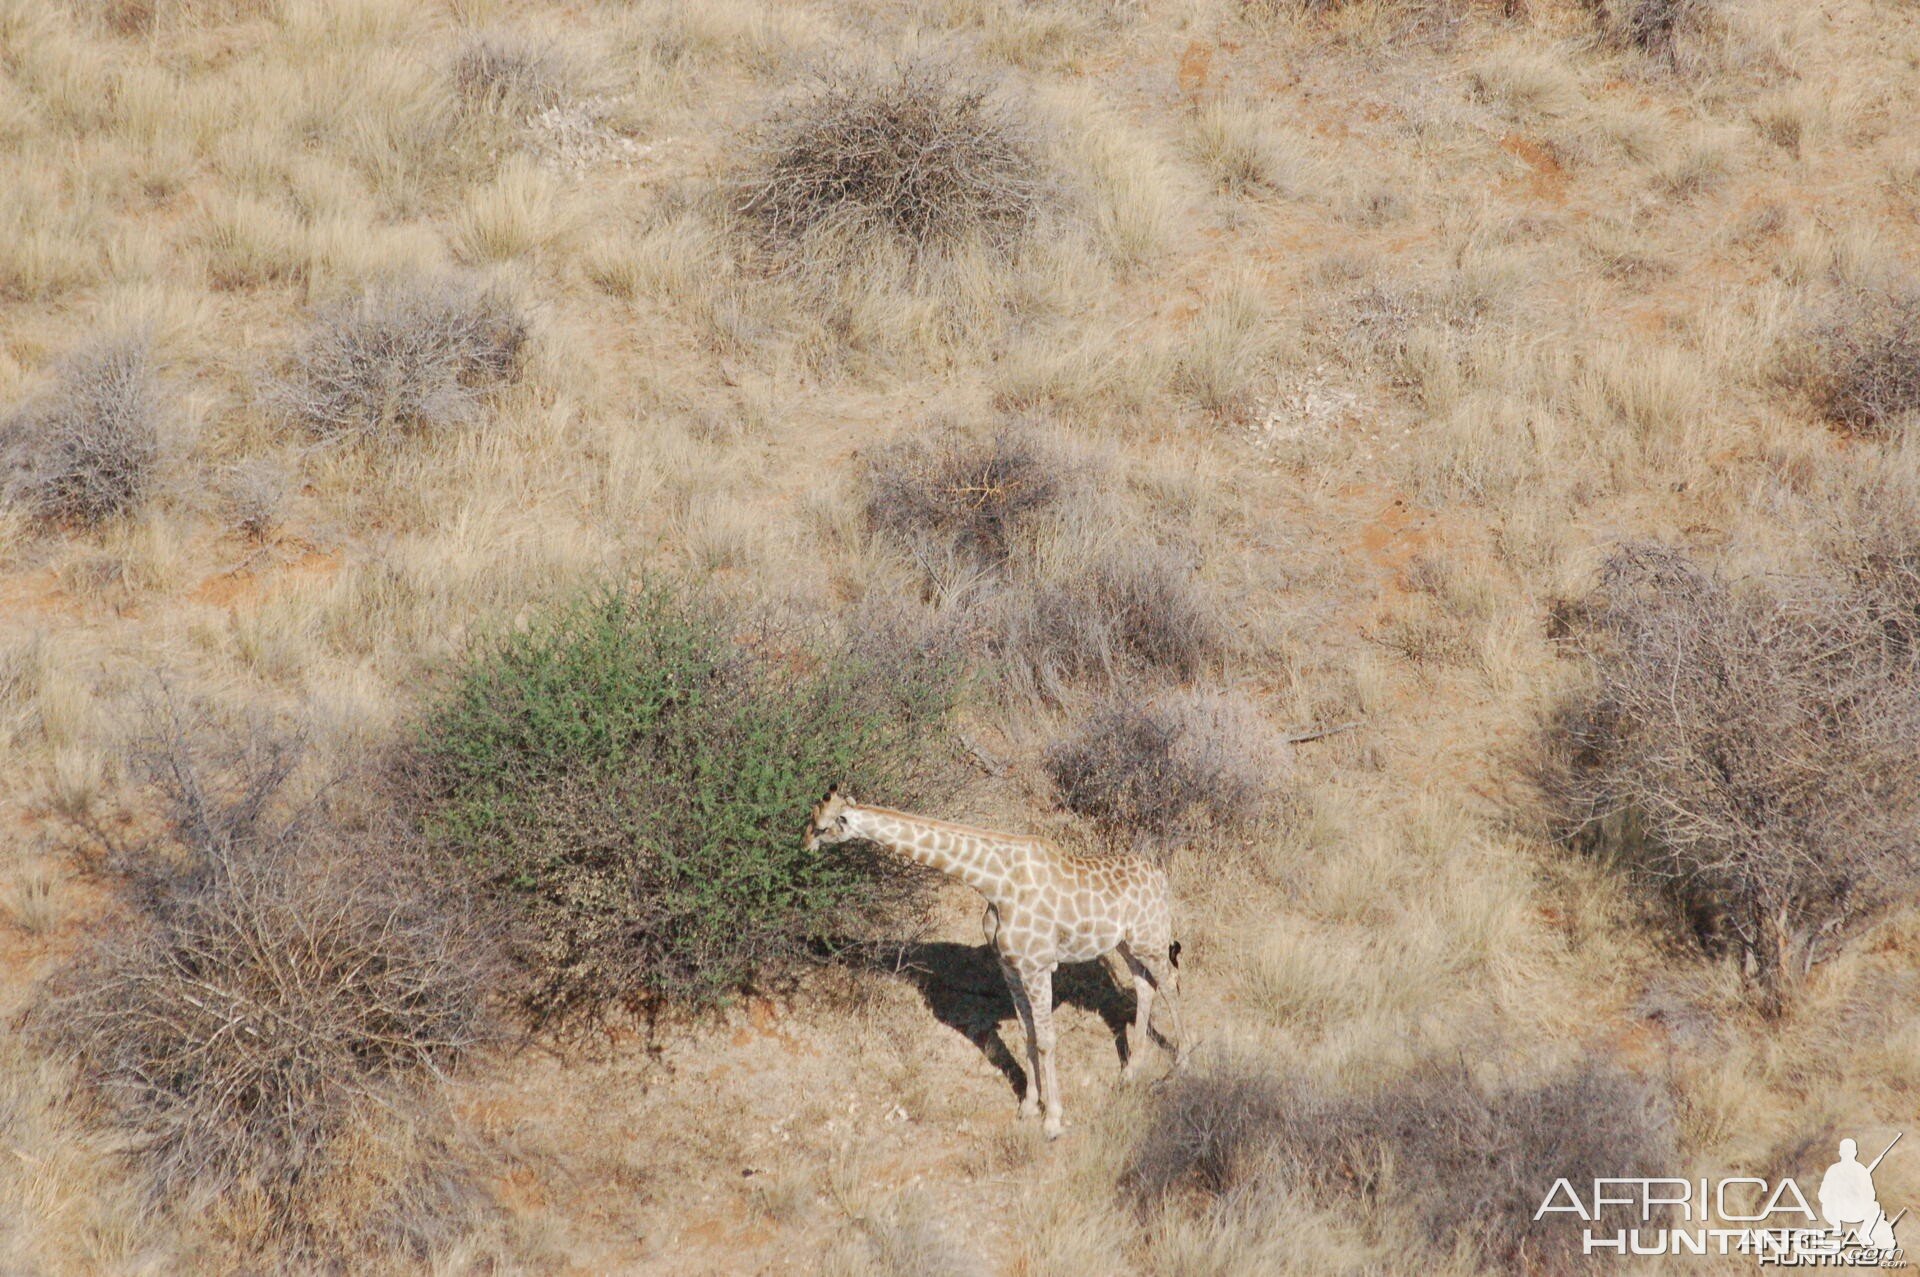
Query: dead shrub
(86, 450)
(1874, 538)
(1477, 1162)
(509, 74)
(1463, 1162)
(1415, 16)
(1658, 28)
(1750, 750)
(1175, 766)
(1213, 1131)
(920, 154)
(255, 492)
(280, 1002)
(948, 496)
(403, 359)
(1137, 611)
(1860, 365)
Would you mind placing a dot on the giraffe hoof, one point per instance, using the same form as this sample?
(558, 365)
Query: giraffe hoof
(1055, 1129)
(1029, 1109)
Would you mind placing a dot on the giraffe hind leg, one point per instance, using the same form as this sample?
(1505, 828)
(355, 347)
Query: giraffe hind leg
(1137, 1036)
(1179, 1045)
(1153, 977)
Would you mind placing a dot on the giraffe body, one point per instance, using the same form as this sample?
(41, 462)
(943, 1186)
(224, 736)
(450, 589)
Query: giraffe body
(1045, 906)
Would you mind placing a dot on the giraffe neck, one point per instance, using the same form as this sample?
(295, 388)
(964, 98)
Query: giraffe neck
(974, 858)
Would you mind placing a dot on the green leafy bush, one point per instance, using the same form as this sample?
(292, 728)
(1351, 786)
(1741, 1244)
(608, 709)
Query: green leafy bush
(635, 782)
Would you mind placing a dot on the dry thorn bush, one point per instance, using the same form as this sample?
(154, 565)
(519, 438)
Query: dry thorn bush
(1860, 365)
(287, 991)
(999, 527)
(1136, 611)
(255, 493)
(1174, 766)
(86, 450)
(1873, 537)
(920, 155)
(1463, 1163)
(1750, 750)
(1662, 29)
(401, 360)
(947, 496)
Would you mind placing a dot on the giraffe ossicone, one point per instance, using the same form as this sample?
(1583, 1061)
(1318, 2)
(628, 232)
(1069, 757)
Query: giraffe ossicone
(1045, 906)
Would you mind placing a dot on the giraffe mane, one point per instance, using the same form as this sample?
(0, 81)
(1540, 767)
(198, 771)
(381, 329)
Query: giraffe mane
(951, 826)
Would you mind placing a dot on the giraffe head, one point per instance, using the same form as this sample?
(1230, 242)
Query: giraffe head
(828, 824)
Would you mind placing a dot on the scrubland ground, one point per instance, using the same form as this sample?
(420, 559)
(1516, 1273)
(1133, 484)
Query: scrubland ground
(1353, 337)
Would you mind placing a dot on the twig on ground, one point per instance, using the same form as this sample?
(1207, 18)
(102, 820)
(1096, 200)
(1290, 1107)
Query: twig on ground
(1301, 735)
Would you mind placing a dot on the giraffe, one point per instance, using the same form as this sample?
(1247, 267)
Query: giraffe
(1045, 906)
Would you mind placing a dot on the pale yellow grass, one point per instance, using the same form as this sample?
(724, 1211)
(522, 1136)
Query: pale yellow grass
(1557, 281)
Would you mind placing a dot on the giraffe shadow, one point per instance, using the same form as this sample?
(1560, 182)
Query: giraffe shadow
(962, 985)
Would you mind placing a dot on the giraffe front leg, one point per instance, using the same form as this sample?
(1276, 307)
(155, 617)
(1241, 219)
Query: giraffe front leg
(1039, 984)
(1016, 988)
(1115, 961)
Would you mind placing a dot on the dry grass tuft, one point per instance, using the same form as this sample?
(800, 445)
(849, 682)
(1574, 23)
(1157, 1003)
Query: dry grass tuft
(1247, 151)
(1861, 365)
(282, 992)
(1225, 348)
(915, 1239)
(1751, 751)
(509, 74)
(1135, 611)
(948, 496)
(1176, 765)
(86, 450)
(1466, 1162)
(920, 154)
(403, 360)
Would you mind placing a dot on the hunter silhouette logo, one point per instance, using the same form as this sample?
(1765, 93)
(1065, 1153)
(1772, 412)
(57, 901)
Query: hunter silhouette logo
(1771, 1220)
(1848, 1202)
